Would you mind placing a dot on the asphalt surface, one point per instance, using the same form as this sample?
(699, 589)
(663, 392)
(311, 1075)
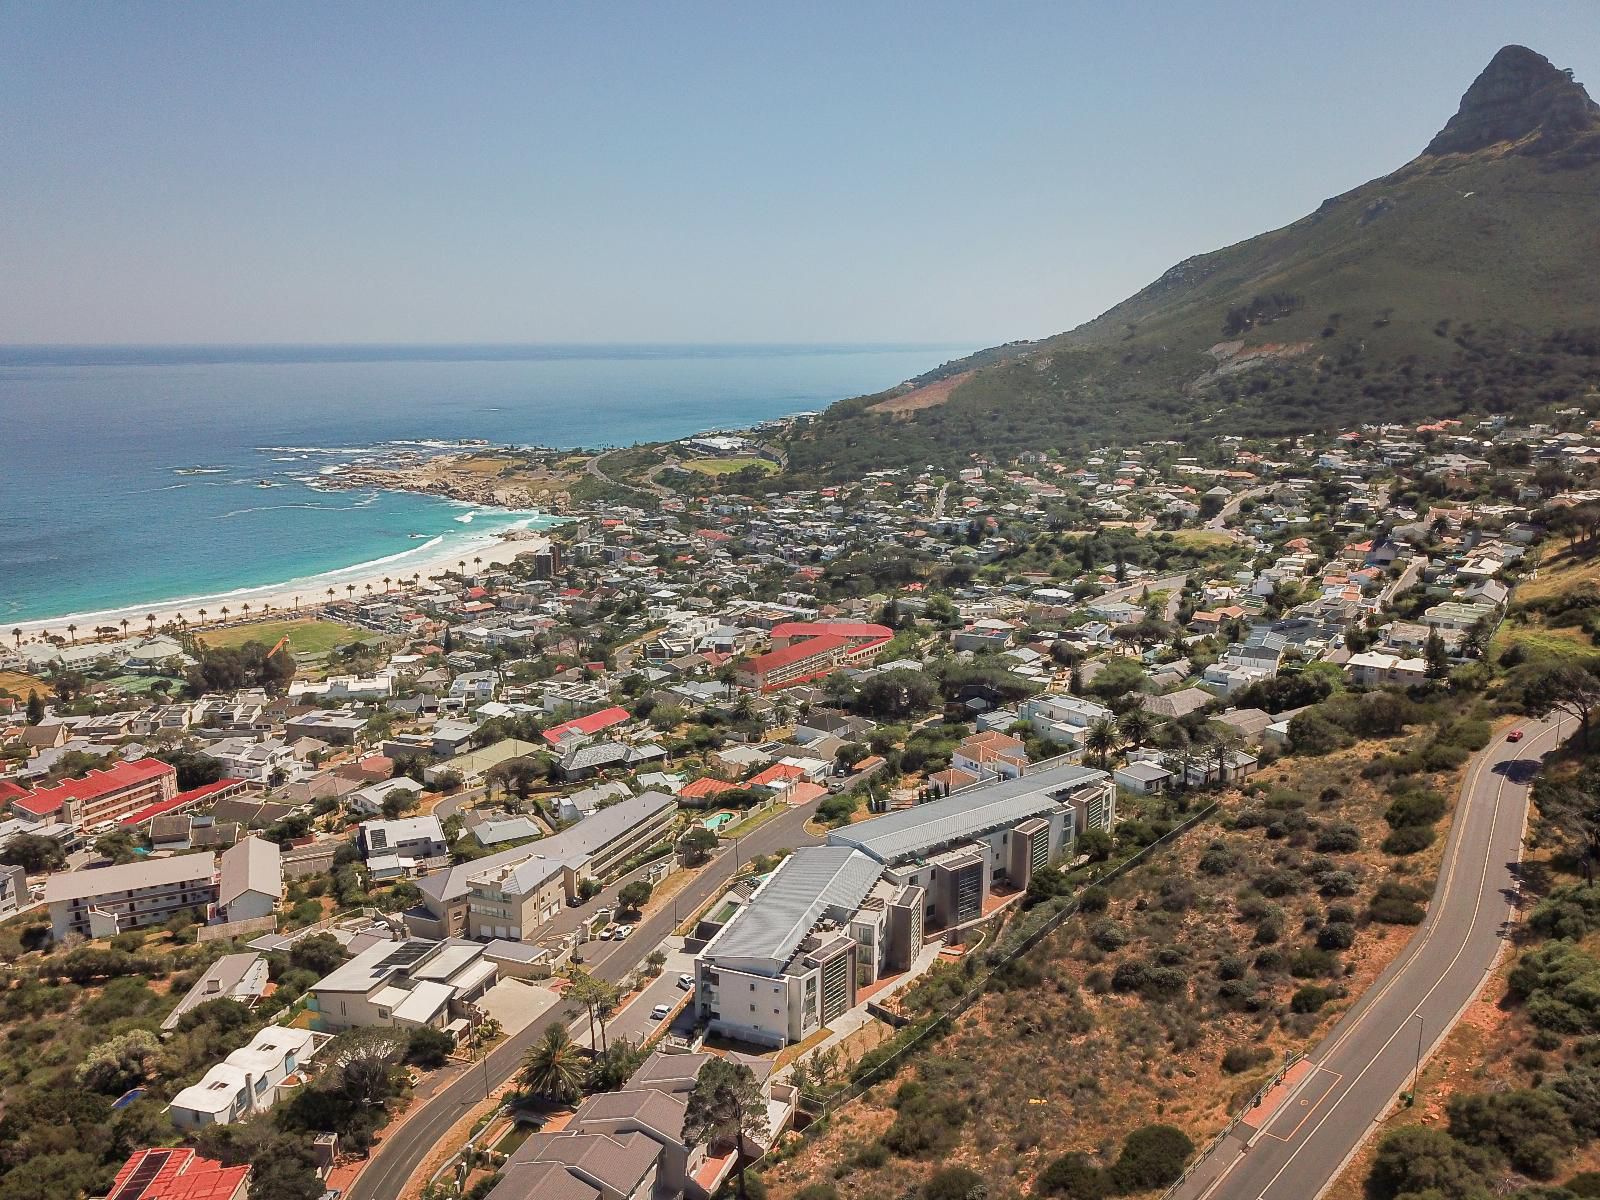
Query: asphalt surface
(401, 1153)
(1369, 1057)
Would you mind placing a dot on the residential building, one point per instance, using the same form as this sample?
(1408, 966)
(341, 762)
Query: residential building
(250, 1080)
(13, 889)
(110, 900)
(1373, 668)
(809, 650)
(413, 840)
(241, 977)
(595, 846)
(178, 1173)
(405, 984)
(250, 883)
(247, 758)
(101, 795)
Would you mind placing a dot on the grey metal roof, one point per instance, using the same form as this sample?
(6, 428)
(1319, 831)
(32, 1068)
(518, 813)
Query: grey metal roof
(793, 900)
(965, 814)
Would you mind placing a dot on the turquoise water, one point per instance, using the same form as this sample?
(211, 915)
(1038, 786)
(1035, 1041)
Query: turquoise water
(95, 516)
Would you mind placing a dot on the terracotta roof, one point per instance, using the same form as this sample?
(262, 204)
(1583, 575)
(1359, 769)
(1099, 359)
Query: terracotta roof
(43, 801)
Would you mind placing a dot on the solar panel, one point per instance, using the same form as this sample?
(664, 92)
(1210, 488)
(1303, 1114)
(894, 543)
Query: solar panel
(143, 1176)
(405, 955)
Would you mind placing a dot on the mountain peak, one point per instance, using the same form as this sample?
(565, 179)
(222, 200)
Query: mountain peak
(1522, 99)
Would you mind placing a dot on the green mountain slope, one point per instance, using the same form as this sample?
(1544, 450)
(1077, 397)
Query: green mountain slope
(1466, 281)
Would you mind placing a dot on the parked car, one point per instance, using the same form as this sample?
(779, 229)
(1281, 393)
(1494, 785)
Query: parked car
(609, 932)
(622, 932)
(686, 982)
(661, 1012)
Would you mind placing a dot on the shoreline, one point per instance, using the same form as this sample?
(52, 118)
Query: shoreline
(425, 560)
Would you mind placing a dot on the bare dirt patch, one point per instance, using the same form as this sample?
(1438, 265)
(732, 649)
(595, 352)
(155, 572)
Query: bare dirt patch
(929, 395)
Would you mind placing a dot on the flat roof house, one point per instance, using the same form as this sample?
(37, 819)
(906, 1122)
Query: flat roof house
(404, 984)
(109, 900)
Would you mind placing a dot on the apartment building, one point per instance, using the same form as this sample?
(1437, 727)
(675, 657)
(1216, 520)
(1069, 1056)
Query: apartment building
(13, 889)
(957, 848)
(785, 964)
(595, 846)
(1373, 668)
(101, 795)
(512, 901)
(804, 650)
(110, 900)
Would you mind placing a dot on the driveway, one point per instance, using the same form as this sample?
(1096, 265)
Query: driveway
(517, 1003)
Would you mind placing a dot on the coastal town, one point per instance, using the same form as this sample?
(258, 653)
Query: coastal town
(605, 863)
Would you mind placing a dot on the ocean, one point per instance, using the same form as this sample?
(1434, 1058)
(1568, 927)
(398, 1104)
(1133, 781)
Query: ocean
(135, 475)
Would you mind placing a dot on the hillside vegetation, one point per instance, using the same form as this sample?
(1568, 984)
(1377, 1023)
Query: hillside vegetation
(1462, 282)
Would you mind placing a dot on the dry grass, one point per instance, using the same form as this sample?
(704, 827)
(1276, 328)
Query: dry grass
(1067, 1062)
(928, 396)
(1562, 569)
(19, 685)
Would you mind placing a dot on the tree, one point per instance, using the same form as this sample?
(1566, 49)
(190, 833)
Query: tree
(553, 1067)
(697, 845)
(123, 1062)
(35, 707)
(429, 1048)
(365, 1060)
(725, 1107)
(597, 997)
(1135, 725)
(955, 1183)
(1568, 688)
(1437, 658)
(1152, 1157)
(320, 953)
(1419, 1161)
(120, 846)
(634, 896)
(1100, 739)
(1096, 843)
(1569, 814)
(34, 853)
(399, 802)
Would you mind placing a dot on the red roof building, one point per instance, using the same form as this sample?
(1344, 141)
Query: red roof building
(178, 1174)
(102, 795)
(805, 650)
(704, 788)
(587, 726)
(219, 790)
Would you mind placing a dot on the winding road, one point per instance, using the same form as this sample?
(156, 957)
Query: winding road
(397, 1157)
(1298, 1141)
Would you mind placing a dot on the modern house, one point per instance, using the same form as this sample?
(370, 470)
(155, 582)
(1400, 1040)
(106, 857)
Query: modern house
(249, 1081)
(1373, 668)
(110, 900)
(413, 840)
(241, 977)
(405, 984)
(13, 889)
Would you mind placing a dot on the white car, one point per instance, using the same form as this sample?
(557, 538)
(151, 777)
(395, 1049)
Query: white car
(686, 982)
(622, 932)
(609, 932)
(661, 1012)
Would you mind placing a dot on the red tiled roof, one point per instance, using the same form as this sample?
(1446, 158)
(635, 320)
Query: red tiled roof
(179, 802)
(795, 651)
(180, 1174)
(776, 773)
(593, 723)
(700, 789)
(46, 800)
(812, 629)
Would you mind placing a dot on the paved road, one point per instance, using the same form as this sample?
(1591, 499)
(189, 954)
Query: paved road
(1368, 1058)
(399, 1155)
(1218, 523)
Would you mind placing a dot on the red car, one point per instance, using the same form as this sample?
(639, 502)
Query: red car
(1514, 736)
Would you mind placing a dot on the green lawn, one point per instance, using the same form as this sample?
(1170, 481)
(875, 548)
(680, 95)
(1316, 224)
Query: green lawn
(305, 637)
(1542, 644)
(727, 466)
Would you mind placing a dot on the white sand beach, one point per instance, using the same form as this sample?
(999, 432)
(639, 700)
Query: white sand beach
(280, 599)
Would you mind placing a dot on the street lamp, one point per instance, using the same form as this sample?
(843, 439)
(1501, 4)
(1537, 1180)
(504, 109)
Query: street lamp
(1416, 1071)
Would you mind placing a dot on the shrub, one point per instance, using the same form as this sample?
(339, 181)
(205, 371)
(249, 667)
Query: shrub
(1310, 998)
(818, 1191)
(1336, 935)
(1152, 1157)
(954, 1183)
(1094, 899)
(1416, 1160)
(1414, 808)
(1528, 1126)
(1074, 1177)
(1339, 838)
(924, 1126)
(1396, 903)
(1244, 1058)
(1218, 860)
(1568, 912)
(1585, 1184)
(1408, 839)
(872, 1156)
(1308, 962)
(1109, 936)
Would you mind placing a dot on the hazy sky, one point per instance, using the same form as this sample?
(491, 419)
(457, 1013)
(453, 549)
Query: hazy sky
(964, 172)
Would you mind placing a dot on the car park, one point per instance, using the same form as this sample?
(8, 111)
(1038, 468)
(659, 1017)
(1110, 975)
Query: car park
(661, 1012)
(686, 982)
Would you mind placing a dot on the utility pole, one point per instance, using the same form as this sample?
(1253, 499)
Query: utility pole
(1416, 1071)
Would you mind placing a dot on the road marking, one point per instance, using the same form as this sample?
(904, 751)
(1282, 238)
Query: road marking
(1309, 1104)
(1494, 816)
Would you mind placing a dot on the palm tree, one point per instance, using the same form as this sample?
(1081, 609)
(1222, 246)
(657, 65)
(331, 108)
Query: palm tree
(72, 632)
(386, 583)
(330, 595)
(554, 1067)
(202, 616)
(151, 619)
(17, 634)
(350, 589)
(1135, 725)
(463, 565)
(1100, 739)
(124, 626)
(297, 604)
(246, 607)
(369, 589)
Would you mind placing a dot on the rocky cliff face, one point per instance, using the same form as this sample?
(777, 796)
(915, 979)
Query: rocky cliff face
(1521, 100)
